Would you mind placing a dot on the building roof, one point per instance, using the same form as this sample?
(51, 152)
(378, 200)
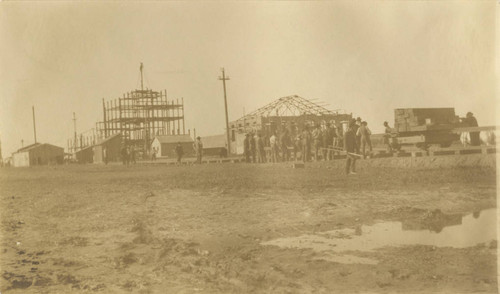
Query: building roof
(85, 149)
(28, 147)
(109, 138)
(216, 141)
(171, 139)
(36, 145)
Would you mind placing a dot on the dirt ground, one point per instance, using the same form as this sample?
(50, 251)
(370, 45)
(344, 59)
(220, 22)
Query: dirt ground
(201, 229)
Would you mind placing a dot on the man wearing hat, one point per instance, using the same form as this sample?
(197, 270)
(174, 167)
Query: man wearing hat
(387, 137)
(350, 148)
(306, 138)
(317, 139)
(246, 148)
(198, 149)
(327, 141)
(355, 124)
(364, 133)
(471, 121)
(179, 151)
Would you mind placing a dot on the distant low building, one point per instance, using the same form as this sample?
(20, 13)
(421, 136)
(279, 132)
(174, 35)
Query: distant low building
(166, 145)
(111, 146)
(85, 155)
(38, 154)
(214, 145)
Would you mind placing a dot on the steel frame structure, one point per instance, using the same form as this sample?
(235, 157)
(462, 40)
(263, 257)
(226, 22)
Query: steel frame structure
(291, 106)
(291, 112)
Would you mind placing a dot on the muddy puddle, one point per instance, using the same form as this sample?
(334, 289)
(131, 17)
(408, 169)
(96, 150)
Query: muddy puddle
(439, 230)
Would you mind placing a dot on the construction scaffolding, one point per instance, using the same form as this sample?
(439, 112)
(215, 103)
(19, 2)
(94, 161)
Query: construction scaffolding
(141, 115)
(138, 116)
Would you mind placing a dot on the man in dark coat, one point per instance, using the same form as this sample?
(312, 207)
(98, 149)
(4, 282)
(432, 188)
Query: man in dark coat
(327, 142)
(124, 153)
(285, 142)
(246, 148)
(350, 148)
(198, 149)
(306, 144)
(356, 123)
(253, 146)
(471, 121)
(261, 152)
(387, 137)
(179, 151)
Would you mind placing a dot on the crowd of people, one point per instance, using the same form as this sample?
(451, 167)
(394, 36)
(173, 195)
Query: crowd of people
(315, 142)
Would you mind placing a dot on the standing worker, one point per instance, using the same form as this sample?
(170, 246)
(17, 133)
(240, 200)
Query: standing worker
(105, 155)
(132, 154)
(306, 144)
(246, 148)
(179, 151)
(387, 137)
(261, 152)
(285, 142)
(327, 140)
(364, 132)
(198, 149)
(350, 148)
(274, 148)
(124, 155)
(355, 128)
(316, 136)
(253, 147)
(297, 141)
(471, 121)
(335, 135)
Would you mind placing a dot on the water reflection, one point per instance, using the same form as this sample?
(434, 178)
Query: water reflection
(434, 221)
(439, 230)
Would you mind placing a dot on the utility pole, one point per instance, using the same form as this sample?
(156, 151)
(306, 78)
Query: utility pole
(76, 138)
(34, 125)
(224, 79)
(142, 85)
(146, 114)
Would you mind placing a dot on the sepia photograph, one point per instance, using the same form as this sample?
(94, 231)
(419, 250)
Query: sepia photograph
(158, 147)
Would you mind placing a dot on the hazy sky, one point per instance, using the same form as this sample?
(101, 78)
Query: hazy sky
(363, 56)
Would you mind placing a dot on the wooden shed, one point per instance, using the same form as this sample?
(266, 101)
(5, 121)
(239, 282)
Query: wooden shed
(38, 154)
(85, 155)
(111, 146)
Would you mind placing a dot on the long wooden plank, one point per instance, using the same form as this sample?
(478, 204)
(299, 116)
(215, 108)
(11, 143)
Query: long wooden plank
(342, 150)
(474, 129)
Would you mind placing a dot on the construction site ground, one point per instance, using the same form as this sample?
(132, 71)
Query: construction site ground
(209, 228)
